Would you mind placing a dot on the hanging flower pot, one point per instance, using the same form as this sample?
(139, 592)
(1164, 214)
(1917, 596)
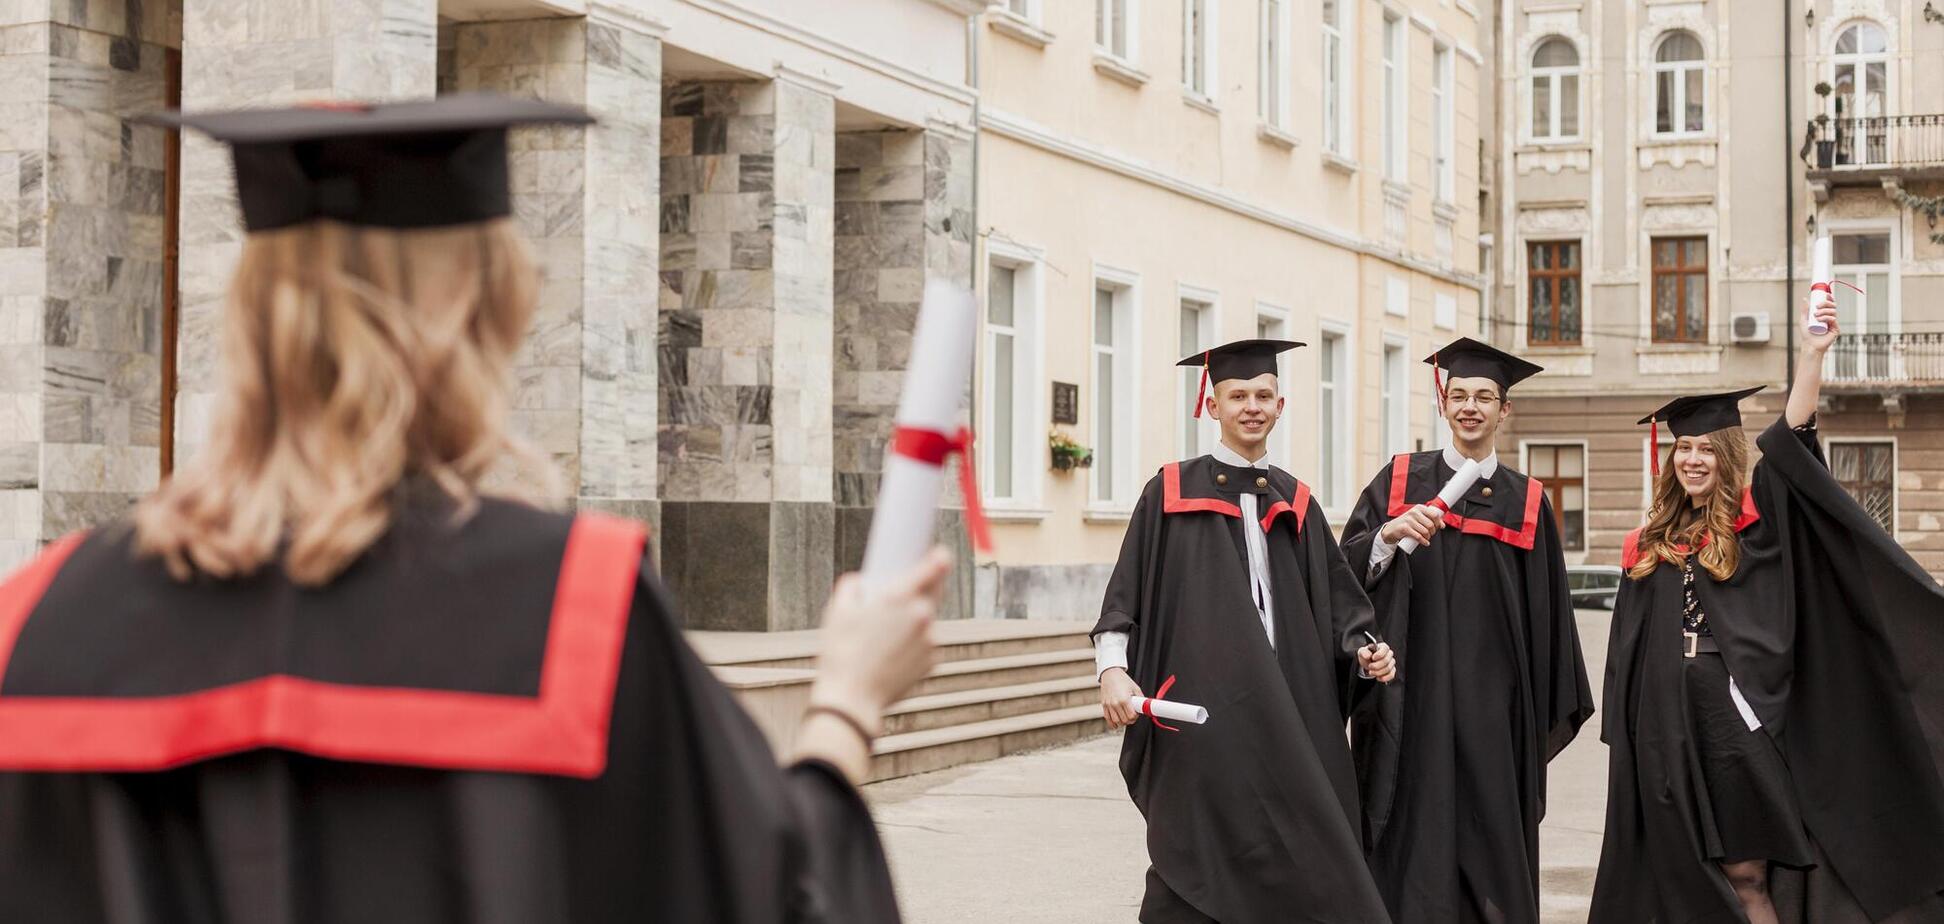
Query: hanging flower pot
(1067, 454)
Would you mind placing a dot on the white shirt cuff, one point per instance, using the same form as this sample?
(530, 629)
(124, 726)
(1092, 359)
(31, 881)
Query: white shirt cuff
(1110, 651)
(1380, 555)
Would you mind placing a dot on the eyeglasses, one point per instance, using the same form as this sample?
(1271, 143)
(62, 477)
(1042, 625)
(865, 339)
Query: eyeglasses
(1484, 400)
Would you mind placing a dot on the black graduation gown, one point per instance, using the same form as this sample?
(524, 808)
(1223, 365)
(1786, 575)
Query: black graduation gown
(1835, 637)
(1491, 685)
(1253, 816)
(494, 722)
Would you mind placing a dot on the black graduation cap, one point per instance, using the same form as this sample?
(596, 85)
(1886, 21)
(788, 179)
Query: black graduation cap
(416, 164)
(1242, 359)
(1695, 415)
(1468, 358)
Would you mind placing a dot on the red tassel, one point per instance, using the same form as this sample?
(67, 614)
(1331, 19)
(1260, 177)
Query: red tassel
(1655, 444)
(1201, 393)
(1437, 381)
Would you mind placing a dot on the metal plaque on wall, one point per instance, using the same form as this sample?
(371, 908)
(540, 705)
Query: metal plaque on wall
(1066, 403)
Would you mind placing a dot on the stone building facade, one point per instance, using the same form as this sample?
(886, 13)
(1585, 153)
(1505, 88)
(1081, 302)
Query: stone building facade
(732, 256)
(1662, 171)
(1160, 176)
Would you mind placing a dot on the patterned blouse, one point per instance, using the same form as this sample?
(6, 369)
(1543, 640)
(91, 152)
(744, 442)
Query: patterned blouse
(1692, 619)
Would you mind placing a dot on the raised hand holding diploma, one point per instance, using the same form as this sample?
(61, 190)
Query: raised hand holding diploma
(1820, 316)
(928, 432)
(1461, 481)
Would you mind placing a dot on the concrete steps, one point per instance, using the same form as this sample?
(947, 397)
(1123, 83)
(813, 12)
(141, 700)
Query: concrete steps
(1000, 686)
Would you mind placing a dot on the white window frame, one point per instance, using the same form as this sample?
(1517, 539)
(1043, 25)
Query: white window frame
(1209, 42)
(1208, 325)
(1272, 63)
(1126, 287)
(1860, 60)
(1553, 75)
(1342, 390)
(1853, 274)
(1279, 316)
(1338, 106)
(1029, 363)
(1130, 51)
(1679, 103)
(1444, 112)
(1896, 468)
(1396, 100)
(1027, 11)
(1586, 484)
(1394, 393)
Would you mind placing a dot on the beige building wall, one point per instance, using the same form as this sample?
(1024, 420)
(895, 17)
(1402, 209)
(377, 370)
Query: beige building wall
(1107, 170)
(1622, 181)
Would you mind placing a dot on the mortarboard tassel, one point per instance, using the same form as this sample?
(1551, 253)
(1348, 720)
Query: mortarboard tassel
(1654, 443)
(1201, 393)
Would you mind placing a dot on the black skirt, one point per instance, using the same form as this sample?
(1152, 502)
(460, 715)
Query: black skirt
(1743, 789)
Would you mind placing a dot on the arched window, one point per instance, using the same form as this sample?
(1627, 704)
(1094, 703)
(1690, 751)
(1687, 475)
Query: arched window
(1680, 87)
(1861, 93)
(1555, 90)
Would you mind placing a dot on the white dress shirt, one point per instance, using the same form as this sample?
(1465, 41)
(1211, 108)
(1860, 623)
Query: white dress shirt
(1381, 551)
(1110, 648)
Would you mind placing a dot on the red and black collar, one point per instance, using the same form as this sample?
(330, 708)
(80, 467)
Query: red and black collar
(1190, 487)
(1509, 512)
(1630, 547)
(563, 730)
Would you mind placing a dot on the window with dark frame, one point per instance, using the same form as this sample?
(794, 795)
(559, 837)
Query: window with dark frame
(1553, 289)
(1562, 469)
(1680, 289)
(1868, 471)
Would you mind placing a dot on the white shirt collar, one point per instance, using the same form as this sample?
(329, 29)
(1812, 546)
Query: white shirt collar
(1228, 456)
(1486, 469)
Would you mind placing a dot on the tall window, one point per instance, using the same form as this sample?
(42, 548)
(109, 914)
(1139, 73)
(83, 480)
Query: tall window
(1680, 85)
(1443, 171)
(1680, 289)
(1332, 418)
(1270, 76)
(1111, 28)
(1396, 390)
(1395, 146)
(1868, 471)
(1861, 80)
(1562, 468)
(1862, 259)
(1333, 84)
(1196, 319)
(1197, 46)
(1553, 293)
(1114, 390)
(1555, 90)
(1274, 327)
(1002, 343)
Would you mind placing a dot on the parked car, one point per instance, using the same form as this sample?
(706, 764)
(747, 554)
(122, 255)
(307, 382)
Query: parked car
(1593, 587)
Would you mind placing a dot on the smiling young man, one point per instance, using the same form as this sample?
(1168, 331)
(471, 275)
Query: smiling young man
(1453, 758)
(1231, 593)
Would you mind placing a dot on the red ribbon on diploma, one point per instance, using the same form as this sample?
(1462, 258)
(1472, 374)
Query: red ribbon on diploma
(1148, 707)
(1439, 503)
(933, 448)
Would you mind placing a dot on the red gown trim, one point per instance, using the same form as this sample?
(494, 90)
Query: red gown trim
(1300, 508)
(1630, 546)
(563, 731)
(1173, 502)
(1521, 538)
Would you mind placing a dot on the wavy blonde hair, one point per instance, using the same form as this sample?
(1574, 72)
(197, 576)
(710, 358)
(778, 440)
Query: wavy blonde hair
(353, 359)
(1668, 530)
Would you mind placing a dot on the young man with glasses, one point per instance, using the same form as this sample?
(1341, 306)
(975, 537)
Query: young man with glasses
(1452, 759)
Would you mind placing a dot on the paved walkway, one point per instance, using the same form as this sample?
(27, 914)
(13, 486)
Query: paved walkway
(1051, 837)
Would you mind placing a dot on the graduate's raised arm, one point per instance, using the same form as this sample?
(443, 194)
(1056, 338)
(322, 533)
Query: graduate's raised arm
(1807, 389)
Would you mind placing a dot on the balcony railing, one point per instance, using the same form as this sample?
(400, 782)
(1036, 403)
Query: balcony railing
(1884, 142)
(1886, 359)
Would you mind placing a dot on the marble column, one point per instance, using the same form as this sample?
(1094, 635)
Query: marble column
(588, 201)
(747, 213)
(904, 218)
(260, 53)
(81, 255)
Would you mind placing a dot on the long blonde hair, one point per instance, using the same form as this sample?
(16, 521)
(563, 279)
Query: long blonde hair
(353, 358)
(1668, 530)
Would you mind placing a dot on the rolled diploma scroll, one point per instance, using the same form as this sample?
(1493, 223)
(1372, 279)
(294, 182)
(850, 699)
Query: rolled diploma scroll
(1173, 712)
(904, 527)
(1821, 294)
(1461, 481)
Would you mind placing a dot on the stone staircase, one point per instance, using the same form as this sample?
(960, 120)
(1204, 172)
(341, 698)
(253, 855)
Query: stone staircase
(1000, 686)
